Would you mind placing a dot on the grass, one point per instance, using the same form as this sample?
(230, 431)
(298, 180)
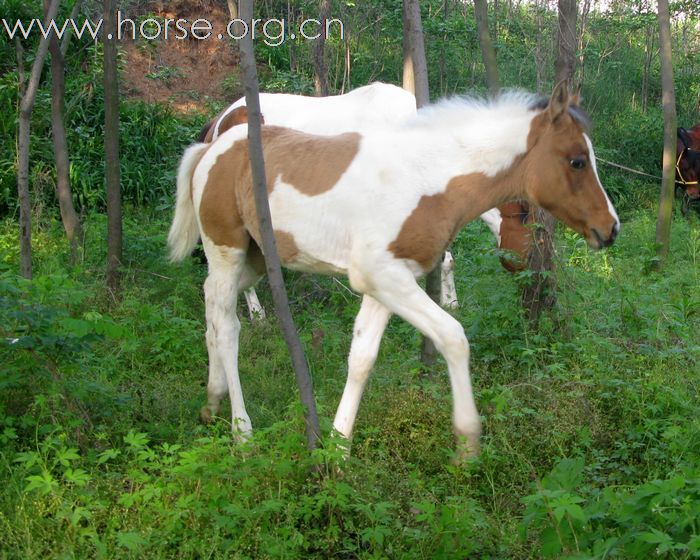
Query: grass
(591, 441)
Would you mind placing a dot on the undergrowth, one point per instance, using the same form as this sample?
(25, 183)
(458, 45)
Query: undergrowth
(591, 431)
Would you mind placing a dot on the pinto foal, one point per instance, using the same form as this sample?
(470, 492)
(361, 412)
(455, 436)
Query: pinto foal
(381, 207)
(370, 107)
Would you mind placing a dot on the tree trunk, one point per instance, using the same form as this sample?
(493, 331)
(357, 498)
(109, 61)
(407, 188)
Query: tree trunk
(565, 63)
(487, 51)
(67, 36)
(540, 293)
(409, 82)
(663, 222)
(69, 217)
(443, 48)
(25, 114)
(648, 56)
(233, 14)
(111, 143)
(540, 54)
(415, 47)
(272, 262)
(581, 46)
(319, 53)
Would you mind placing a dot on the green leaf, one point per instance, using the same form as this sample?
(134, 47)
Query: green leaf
(131, 540)
(77, 327)
(79, 477)
(43, 483)
(551, 545)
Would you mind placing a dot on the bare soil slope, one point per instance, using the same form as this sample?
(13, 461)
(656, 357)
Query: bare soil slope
(189, 73)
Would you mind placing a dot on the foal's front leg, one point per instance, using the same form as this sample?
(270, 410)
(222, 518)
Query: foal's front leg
(223, 327)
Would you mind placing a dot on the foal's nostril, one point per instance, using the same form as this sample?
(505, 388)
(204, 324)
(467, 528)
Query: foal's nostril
(615, 231)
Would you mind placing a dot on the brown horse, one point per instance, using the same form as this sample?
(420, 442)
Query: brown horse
(688, 164)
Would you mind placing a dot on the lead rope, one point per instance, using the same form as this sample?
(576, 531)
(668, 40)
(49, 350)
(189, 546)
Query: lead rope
(681, 182)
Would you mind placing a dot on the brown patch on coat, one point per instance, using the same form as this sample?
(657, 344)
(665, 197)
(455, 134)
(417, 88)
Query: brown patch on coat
(286, 246)
(515, 234)
(219, 210)
(437, 219)
(311, 164)
(226, 120)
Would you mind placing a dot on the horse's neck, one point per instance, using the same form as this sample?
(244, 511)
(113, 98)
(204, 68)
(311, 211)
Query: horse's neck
(484, 165)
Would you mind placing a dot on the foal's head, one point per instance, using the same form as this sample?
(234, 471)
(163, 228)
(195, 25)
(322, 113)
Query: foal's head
(561, 174)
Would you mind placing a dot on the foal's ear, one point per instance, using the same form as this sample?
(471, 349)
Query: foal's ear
(575, 98)
(559, 102)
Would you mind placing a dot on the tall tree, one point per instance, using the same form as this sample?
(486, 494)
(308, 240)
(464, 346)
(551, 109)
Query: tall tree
(233, 14)
(487, 51)
(26, 107)
(565, 62)
(111, 143)
(540, 294)
(69, 217)
(663, 222)
(272, 262)
(319, 52)
(414, 51)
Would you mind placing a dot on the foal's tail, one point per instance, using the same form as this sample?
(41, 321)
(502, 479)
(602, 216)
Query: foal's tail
(184, 231)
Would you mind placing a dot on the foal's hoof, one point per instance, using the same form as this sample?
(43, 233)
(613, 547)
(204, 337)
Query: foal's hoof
(206, 416)
(466, 451)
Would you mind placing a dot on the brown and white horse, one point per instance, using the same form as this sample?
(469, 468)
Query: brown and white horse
(381, 207)
(370, 107)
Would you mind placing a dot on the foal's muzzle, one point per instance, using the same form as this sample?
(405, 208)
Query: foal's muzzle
(608, 240)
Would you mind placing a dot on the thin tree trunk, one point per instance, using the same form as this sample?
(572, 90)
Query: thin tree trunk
(68, 34)
(25, 114)
(272, 262)
(565, 62)
(443, 48)
(233, 14)
(540, 55)
(487, 51)
(291, 18)
(409, 82)
(414, 45)
(540, 293)
(663, 222)
(648, 55)
(69, 217)
(581, 45)
(417, 47)
(319, 53)
(111, 143)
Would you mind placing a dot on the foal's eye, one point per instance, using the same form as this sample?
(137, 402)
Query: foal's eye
(578, 163)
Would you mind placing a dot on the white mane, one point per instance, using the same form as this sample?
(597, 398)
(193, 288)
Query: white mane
(461, 110)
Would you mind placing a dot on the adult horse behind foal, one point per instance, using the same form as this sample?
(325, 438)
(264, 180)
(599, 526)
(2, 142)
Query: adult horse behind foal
(380, 207)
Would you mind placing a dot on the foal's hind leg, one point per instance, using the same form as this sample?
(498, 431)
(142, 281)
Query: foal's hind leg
(226, 265)
(396, 288)
(367, 334)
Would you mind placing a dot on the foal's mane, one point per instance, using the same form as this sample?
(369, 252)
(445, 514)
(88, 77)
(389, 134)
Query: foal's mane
(509, 104)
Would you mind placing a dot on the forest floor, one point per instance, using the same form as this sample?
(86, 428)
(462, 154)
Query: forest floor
(591, 443)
